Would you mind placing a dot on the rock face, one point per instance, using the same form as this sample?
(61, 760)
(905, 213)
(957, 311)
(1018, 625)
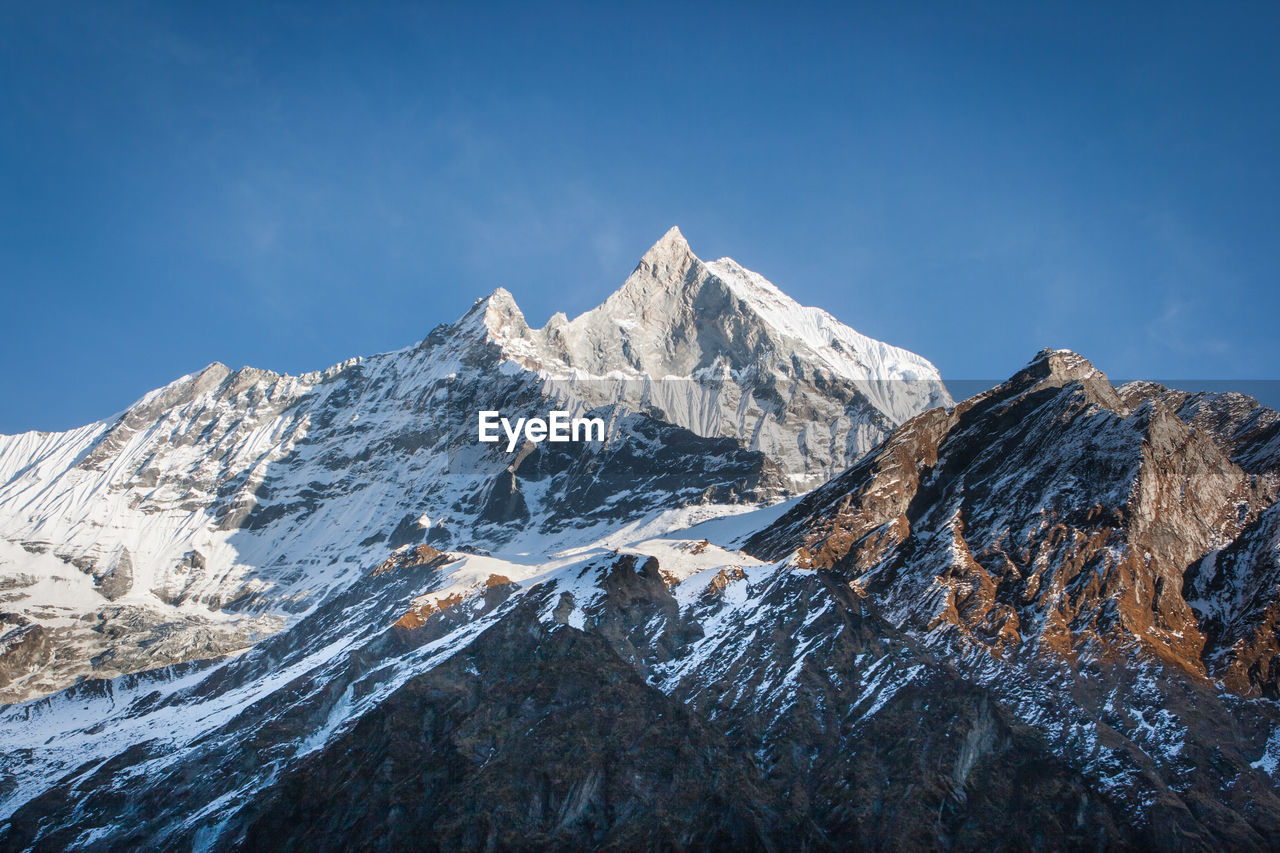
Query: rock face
(220, 507)
(1097, 562)
(24, 648)
(1062, 517)
(561, 736)
(1235, 594)
(1247, 431)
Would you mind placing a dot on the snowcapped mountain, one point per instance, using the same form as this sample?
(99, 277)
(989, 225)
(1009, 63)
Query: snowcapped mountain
(717, 349)
(1043, 617)
(219, 508)
(1047, 616)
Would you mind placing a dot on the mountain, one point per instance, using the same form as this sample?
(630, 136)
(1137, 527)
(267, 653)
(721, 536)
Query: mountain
(1043, 617)
(222, 507)
(717, 349)
(1102, 565)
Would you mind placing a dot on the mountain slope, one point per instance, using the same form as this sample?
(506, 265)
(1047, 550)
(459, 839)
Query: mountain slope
(1064, 549)
(995, 631)
(222, 506)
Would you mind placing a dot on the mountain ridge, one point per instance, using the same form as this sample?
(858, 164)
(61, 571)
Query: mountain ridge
(1045, 615)
(220, 506)
(935, 649)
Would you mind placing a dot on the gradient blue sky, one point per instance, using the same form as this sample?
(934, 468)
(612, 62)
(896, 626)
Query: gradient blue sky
(288, 185)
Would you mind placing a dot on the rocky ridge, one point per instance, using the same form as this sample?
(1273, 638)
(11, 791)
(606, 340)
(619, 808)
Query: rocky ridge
(1041, 618)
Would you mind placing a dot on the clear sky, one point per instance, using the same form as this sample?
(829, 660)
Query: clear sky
(288, 185)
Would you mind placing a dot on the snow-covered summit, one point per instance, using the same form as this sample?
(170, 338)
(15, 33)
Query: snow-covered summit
(676, 314)
(722, 351)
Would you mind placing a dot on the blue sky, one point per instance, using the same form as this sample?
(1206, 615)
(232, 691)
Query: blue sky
(288, 185)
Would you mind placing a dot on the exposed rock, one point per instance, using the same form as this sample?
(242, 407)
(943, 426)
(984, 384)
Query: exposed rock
(118, 580)
(175, 585)
(563, 743)
(1044, 510)
(505, 503)
(1039, 535)
(24, 648)
(423, 556)
(1235, 593)
(1246, 430)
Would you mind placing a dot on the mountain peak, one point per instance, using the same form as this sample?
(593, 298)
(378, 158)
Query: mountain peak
(1055, 368)
(1063, 364)
(674, 240)
(666, 263)
(679, 318)
(501, 299)
(497, 315)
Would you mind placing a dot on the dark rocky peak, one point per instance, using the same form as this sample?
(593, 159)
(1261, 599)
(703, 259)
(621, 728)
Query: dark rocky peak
(1054, 514)
(1058, 368)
